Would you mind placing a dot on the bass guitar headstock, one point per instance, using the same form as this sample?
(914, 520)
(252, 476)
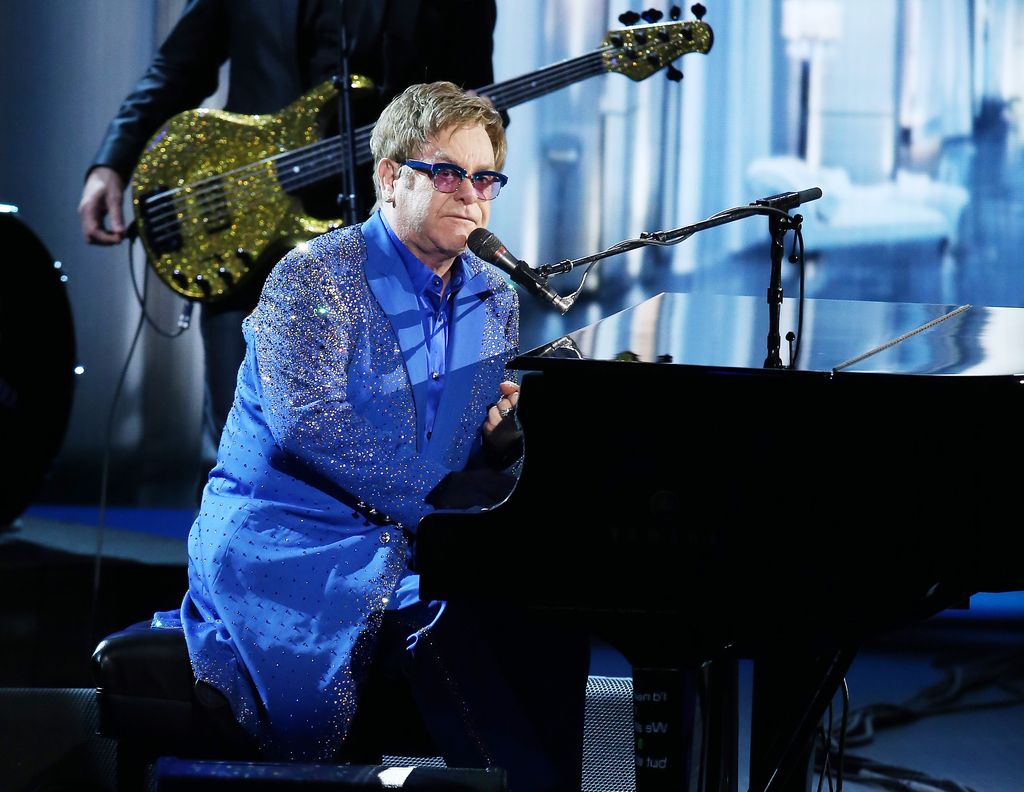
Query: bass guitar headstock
(641, 50)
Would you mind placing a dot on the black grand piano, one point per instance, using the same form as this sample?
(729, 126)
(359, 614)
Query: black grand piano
(675, 492)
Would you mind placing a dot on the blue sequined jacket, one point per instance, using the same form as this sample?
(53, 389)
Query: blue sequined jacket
(299, 547)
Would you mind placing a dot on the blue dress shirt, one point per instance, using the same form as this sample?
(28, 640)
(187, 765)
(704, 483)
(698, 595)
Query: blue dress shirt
(435, 303)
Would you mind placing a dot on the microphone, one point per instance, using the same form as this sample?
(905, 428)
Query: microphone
(790, 200)
(488, 247)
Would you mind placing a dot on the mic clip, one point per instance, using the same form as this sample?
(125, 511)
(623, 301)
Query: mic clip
(789, 200)
(547, 270)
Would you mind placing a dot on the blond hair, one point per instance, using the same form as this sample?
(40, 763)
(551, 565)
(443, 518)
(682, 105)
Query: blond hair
(422, 111)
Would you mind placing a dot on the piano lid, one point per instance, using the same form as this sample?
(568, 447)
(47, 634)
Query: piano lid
(838, 335)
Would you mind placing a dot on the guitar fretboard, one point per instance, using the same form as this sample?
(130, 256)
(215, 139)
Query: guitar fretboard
(329, 157)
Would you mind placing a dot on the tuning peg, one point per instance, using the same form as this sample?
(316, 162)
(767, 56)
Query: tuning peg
(629, 18)
(673, 73)
(651, 15)
(674, 13)
(698, 10)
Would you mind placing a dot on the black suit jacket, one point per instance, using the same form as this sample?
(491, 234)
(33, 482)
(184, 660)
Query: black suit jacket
(396, 42)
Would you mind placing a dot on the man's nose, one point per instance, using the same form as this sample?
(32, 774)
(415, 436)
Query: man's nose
(466, 192)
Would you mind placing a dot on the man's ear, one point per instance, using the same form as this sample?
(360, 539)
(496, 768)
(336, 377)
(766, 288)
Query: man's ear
(386, 173)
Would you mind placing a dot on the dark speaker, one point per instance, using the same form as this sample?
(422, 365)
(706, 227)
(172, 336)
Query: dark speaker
(608, 764)
(608, 760)
(37, 359)
(48, 742)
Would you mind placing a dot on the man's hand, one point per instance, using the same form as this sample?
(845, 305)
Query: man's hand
(503, 440)
(503, 409)
(102, 197)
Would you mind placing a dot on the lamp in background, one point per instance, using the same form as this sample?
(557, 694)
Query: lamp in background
(809, 28)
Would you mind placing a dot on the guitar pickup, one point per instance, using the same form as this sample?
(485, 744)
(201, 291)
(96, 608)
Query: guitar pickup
(216, 207)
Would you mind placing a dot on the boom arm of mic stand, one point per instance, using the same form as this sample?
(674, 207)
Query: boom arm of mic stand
(778, 218)
(673, 237)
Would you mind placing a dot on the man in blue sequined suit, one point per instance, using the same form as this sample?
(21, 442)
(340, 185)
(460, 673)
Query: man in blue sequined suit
(374, 379)
(277, 50)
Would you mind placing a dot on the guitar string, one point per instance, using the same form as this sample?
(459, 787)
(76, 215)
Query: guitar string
(496, 89)
(218, 196)
(216, 199)
(211, 202)
(199, 191)
(214, 187)
(208, 199)
(515, 95)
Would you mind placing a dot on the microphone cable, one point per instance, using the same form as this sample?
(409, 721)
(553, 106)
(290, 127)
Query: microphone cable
(184, 319)
(823, 758)
(796, 256)
(144, 319)
(825, 736)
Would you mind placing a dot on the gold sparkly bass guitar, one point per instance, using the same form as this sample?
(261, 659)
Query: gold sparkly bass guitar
(214, 192)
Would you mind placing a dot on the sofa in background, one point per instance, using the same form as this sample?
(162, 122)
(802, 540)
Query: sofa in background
(910, 208)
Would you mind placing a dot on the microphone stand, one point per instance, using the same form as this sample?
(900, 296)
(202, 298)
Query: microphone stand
(348, 198)
(776, 207)
(777, 227)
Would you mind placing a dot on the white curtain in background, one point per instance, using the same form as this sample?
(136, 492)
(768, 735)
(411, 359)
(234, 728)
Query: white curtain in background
(547, 211)
(610, 158)
(1000, 30)
(937, 71)
(675, 153)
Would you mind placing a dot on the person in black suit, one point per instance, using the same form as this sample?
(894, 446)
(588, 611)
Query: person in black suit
(277, 50)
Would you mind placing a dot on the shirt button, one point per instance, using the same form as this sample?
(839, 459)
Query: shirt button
(435, 376)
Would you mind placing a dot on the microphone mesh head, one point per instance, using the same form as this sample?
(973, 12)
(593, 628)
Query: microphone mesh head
(484, 244)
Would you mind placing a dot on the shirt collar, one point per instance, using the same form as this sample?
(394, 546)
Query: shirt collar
(421, 276)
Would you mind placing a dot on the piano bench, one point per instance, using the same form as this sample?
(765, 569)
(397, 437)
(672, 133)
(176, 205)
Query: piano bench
(151, 703)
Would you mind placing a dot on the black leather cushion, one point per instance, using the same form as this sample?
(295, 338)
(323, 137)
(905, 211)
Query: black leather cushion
(147, 662)
(146, 693)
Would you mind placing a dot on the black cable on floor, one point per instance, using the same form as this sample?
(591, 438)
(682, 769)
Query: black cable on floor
(996, 671)
(1003, 671)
